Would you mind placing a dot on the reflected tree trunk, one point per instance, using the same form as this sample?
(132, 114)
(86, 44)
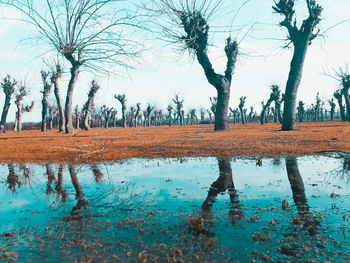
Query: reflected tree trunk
(82, 203)
(299, 196)
(223, 183)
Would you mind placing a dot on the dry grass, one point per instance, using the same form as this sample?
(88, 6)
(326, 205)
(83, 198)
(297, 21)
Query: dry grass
(100, 145)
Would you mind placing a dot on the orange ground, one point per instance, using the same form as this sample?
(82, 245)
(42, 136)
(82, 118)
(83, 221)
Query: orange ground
(100, 145)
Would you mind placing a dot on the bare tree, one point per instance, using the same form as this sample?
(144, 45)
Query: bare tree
(149, 110)
(107, 114)
(275, 95)
(333, 105)
(8, 88)
(241, 108)
(122, 100)
(87, 34)
(89, 105)
(77, 117)
(22, 92)
(188, 24)
(339, 97)
(55, 76)
(53, 111)
(179, 105)
(46, 92)
(301, 39)
(301, 111)
(137, 114)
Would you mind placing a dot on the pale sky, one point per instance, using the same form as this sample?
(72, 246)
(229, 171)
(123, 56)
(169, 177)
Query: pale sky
(262, 62)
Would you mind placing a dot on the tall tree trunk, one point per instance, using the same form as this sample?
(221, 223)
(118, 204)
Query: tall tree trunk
(69, 99)
(44, 113)
(345, 93)
(294, 79)
(221, 113)
(61, 117)
(4, 113)
(123, 116)
(18, 117)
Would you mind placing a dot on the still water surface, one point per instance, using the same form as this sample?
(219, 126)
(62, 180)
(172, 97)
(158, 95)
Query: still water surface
(175, 210)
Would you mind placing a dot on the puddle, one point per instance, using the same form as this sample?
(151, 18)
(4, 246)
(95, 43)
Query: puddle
(175, 210)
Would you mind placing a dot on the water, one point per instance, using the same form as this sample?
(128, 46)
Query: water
(175, 210)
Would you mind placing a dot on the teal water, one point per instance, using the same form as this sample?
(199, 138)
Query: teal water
(174, 210)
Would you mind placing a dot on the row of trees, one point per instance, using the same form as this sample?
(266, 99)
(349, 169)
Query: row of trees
(91, 35)
(87, 34)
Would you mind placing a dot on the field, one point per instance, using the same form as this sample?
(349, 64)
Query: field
(100, 145)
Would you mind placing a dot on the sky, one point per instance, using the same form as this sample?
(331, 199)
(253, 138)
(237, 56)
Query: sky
(163, 73)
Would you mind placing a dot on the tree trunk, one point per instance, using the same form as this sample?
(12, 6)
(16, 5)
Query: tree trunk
(221, 113)
(123, 116)
(345, 93)
(61, 117)
(4, 113)
(294, 79)
(69, 99)
(44, 113)
(18, 117)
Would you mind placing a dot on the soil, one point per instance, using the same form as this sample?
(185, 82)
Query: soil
(101, 145)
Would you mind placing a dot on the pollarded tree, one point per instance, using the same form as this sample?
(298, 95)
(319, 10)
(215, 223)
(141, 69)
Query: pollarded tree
(170, 110)
(189, 24)
(107, 114)
(89, 105)
(275, 95)
(149, 110)
(241, 108)
(301, 38)
(301, 111)
(179, 105)
(122, 100)
(21, 93)
(46, 92)
(339, 97)
(8, 88)
(137, 114)
(333, 105)
(87, 33)
(53, 112)
(55, 76)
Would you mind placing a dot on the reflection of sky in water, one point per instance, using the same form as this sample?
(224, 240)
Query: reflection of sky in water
(174, 188)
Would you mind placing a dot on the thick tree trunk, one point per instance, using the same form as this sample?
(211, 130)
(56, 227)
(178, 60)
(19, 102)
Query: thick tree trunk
(18, 121)
(4, 113)
(44, 113)
(221, 113)
(294, 79)
(61, 117)
(123, 116)
(345, 93)
(69, 99)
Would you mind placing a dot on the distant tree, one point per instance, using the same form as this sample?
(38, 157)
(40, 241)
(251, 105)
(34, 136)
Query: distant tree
(149, 110)
(301, 111)
(47, 85)
(241, 108)
(188, 24)
(210, 116)
(21, 93)
(339, 97)
(170, 109)
(333, 105)
(235, 115)
(202, 114)
(121, 98)
(131, 116)
(8, 87)
(317, 107)
(137, 114)
(275, 95)
(77, 117)
(53, 111)
(56, 74)
(89, 105)
(301, 39)
(179, 105)
(107, 114)
(193, 116)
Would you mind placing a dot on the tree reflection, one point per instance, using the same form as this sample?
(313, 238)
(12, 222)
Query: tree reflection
(59, 184)
(308, 220)
(13, 180)
(82, 203)
(97, 173)
(50, 179)
(223, 183)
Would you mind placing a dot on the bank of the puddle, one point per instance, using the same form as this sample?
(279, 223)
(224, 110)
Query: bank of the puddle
(192, 209)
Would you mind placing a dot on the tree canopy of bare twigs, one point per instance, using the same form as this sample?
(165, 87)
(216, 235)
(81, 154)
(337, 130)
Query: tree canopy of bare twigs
(93, 34)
